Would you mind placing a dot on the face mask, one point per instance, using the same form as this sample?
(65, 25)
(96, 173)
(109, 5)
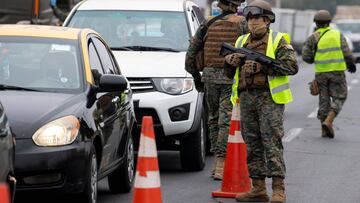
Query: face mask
(259, 31)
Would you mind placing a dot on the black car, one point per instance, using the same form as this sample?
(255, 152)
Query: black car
(70, 109)
(7, 151)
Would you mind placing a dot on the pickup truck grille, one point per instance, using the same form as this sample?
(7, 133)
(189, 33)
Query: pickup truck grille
(141, 84)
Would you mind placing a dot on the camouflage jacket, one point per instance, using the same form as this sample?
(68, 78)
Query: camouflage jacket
(210, 74)
(308, 50)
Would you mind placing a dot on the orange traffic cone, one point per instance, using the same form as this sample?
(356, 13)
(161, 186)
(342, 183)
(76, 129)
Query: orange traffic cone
(147, 179)
(236, 175)
(4, 194)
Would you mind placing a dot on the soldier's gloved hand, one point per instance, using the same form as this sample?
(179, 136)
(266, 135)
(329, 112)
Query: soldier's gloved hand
(352, 68)
(234, 59)
(53, 3)
(251, 67)
(199, 86)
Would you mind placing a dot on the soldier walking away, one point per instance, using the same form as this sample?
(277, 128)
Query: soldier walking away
(328, 49)
(263, 91)
(225, 27)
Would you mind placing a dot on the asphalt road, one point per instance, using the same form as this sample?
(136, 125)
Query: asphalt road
(319, 170)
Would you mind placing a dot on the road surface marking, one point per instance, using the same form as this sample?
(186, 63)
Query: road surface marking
(314, 113)
(349, 88)
(354, 81)
(292, 134)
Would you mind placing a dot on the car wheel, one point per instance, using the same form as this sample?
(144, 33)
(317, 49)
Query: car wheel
(90, 191)
(122, 179)
(193, 149)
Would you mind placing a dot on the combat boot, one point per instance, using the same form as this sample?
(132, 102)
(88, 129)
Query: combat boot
(219, 169)
(278, 188)
(323, 131)
(258, 192)
(327, 125)
(214, 166)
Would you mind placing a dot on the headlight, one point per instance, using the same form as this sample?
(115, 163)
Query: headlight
(174, 86)
(62, 131)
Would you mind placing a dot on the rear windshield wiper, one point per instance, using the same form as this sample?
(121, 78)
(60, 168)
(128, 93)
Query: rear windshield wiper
(143, 48)
(11, 87)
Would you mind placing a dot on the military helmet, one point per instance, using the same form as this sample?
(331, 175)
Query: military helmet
(259, 7)
(230, 5)
(322, 16)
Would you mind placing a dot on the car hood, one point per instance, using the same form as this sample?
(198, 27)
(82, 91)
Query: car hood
(151, 64)
(28, 111)
(354, 36)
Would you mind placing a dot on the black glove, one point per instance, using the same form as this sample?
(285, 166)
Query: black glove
(199, 86)
(352, 68)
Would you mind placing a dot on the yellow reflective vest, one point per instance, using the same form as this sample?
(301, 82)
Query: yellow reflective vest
(279, 85)
(329, 56)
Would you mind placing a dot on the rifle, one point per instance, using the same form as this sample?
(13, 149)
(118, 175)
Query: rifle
(226, 49)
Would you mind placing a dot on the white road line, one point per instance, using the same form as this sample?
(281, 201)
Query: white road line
(314, 113)
(349, 88)
(292, 134)
(354, 81)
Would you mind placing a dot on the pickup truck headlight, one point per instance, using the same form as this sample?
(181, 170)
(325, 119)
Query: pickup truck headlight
(62, 131)
(174, 86)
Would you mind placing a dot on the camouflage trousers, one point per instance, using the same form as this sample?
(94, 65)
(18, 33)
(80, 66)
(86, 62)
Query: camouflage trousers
(262, 130)
(332, 92)
(219, 106)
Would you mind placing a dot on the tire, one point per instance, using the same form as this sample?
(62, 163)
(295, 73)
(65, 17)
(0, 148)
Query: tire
(193, 149)
(89, 195)
(122, 179)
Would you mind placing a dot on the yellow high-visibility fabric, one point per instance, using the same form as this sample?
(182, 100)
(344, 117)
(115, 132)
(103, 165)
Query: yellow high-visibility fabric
(329, 56)
(278, 85)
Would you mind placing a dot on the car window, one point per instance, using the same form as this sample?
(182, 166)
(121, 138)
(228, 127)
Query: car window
(136, 28)
(41, 63)
(197, 17)
(105, 57)
(95, 64)
(349, 27)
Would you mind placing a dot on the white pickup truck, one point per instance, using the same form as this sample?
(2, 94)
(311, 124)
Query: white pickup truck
(149, 40)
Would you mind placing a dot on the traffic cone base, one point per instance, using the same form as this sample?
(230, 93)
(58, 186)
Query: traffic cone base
(150, 195)
(236, 176)
(4, 194)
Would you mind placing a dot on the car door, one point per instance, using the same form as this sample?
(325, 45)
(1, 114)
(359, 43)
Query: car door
(118, 113)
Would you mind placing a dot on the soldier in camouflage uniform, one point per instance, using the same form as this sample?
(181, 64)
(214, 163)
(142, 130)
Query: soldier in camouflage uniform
(263, 91)
(217, 86)
(330, 52)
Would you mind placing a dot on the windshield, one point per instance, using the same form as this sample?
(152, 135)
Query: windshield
(349, 27)
(136, 28)
(39, 63)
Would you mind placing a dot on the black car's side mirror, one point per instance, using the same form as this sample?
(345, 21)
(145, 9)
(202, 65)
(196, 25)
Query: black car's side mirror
(112, 83)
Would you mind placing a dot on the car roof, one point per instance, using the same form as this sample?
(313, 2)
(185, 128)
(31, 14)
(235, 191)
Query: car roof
(141, 5)
(355, 21)
(40, 31)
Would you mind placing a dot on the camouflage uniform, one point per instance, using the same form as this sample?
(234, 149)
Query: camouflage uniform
(262, 119)
(217, 90)
(332, 85)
